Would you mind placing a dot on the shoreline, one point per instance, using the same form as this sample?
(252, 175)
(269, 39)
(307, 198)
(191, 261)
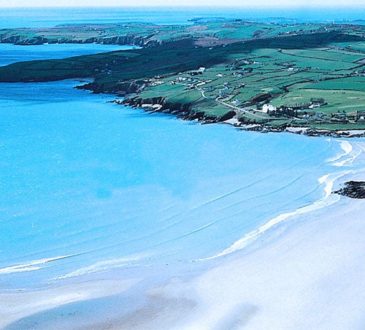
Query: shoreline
(302, 269)
(185, 114)
(169, 77)
(331, 197)
(232, 290)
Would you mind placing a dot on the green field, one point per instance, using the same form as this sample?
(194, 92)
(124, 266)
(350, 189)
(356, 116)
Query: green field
(305, 74)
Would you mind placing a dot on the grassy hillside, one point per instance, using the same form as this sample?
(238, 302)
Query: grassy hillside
(310, 78)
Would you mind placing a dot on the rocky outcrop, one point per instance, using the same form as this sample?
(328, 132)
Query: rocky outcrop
(353, 189)
(229, 115)
(181, 110)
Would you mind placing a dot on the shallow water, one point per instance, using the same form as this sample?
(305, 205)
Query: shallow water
(87, 185)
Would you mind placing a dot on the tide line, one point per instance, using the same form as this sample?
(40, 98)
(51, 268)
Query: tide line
(327, 200)
(104, 265)
(30, 266)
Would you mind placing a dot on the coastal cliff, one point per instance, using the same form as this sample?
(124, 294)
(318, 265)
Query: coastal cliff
(181, 110)
(114, 40)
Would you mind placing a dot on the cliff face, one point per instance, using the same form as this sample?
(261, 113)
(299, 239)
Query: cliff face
(182, 110)
(117, 40)
(185, 111)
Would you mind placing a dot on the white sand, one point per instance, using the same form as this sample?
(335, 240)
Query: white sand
(306, 273)
(20, 304)
(311, 277)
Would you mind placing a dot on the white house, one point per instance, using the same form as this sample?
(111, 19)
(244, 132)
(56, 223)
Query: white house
(268, 107)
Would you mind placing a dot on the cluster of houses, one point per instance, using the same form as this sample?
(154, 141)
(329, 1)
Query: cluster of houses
(189, 83)
(345, 117)
(201, 70)
(295, 108)
(305, 111)
(156, 81)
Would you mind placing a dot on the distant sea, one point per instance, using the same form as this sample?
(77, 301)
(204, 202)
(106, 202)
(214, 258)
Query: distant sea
(89, 186)
(46, 17)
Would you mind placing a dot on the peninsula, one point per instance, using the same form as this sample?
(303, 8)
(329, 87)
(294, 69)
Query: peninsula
(270, 76)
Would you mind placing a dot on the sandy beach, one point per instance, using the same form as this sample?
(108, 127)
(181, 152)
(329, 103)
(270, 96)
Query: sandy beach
(306, 273)
(313, 265)
(182, 168)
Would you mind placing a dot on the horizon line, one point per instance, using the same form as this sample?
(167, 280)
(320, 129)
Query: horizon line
(362, 6)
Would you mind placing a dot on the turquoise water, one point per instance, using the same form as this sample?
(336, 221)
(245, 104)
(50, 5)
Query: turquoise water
(87, 185)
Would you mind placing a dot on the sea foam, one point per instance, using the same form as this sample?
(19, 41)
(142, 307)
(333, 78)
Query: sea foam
(30, 266)
(346, 157)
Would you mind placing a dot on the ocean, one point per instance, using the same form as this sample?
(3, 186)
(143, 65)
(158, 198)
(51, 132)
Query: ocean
(46, 17)
(88, 186)
(86, 181)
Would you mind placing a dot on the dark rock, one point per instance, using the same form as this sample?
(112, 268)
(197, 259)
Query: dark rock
(353, 189)
(227, 116)
(196, 115)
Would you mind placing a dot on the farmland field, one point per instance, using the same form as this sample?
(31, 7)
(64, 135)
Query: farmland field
(275, 75)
